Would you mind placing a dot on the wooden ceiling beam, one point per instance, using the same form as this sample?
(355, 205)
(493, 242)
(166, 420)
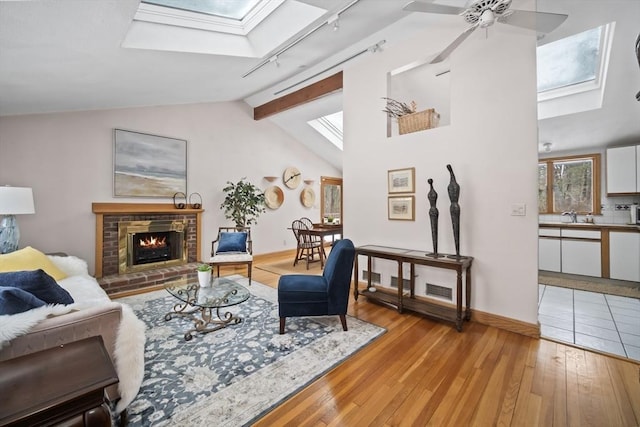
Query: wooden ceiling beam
(299, 97)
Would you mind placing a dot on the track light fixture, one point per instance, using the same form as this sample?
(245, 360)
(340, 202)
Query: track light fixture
(334, 19)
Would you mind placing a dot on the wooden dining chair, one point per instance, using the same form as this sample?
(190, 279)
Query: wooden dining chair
(307, 247)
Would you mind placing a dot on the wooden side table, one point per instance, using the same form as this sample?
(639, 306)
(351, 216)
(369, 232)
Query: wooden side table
(60, 384)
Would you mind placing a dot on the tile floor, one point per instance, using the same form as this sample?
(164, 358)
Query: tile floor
(602, 322)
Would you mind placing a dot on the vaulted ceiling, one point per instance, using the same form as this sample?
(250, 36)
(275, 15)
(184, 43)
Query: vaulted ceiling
(68, 55)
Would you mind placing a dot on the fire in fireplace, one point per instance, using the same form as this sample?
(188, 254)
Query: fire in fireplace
(153, 247)
(143, 245)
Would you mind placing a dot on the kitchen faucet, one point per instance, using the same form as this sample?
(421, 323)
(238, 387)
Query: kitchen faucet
(572, 214)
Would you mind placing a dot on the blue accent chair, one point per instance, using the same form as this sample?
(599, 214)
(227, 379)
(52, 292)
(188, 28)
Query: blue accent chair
(325, 295)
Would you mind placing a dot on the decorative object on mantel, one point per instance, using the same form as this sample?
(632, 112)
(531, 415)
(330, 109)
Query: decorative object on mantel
(13, 201)
(243, 202)
(309, 181)
(433, 217)
(409, 118)
(273, 197)
(454, 193)
(148, 165)
(270, 178)
(180, 200)
(291, 177)
(195, 200)
(307, 197)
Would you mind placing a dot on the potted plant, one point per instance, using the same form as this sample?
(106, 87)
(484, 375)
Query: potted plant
(243, 202)
(204, 275)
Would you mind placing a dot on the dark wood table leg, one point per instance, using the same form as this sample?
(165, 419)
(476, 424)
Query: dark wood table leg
(459, 301)
(355, 278)
(468, 292)
(400, 286)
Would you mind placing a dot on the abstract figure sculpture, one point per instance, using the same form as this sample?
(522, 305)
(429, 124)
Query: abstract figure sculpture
(433, 216)
(454, 194)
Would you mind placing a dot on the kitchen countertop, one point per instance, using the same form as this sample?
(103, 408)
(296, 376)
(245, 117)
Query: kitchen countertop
(586, 226)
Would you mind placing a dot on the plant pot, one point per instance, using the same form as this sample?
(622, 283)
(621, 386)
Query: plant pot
(204, 278)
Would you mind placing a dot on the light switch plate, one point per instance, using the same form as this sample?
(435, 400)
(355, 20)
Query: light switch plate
(518, 209)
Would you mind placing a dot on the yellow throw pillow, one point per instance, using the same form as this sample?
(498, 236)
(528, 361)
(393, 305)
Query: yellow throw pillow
(29, 259)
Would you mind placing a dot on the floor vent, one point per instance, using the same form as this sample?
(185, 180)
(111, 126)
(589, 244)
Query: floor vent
(439, 291)
(375, 277)
(406, 283)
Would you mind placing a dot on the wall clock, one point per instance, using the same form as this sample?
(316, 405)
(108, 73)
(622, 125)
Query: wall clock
(291, 177)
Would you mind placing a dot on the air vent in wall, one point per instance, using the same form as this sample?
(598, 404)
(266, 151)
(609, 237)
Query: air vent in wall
(439, 291)
(405, 283)
(375, 277)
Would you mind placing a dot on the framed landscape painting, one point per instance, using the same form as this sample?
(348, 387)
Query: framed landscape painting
(402, 208)
(401, 180)
(148, 165)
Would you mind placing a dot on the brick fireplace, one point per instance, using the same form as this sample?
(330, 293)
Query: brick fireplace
(112, 217)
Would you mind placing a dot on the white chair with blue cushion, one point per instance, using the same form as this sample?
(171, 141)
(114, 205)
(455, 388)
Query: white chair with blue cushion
(232, 247)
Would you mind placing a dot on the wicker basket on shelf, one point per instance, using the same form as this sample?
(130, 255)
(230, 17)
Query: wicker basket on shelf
(425, 119)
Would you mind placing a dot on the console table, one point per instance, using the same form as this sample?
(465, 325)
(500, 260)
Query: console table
(411, 302)
(62, 385)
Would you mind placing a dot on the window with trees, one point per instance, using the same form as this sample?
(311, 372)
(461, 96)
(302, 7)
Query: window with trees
(566, 183)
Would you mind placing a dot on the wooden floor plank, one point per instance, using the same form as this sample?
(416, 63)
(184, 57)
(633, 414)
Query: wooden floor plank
(422, 372)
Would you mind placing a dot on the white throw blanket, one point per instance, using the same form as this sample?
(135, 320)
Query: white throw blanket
(85, 291)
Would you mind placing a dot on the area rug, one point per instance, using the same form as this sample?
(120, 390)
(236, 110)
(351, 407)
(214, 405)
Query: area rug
(233, 376)
(623, 289)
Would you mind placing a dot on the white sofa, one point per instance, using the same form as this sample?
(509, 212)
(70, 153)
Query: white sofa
(91, 314)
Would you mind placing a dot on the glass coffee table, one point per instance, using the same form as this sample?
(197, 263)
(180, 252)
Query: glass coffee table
(203, 305)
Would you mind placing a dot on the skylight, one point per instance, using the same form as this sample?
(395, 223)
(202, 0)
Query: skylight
(572, 72)
(329, 126)
(232, 9)
(569, 61)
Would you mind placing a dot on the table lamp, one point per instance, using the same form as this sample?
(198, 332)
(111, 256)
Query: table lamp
(13, 201)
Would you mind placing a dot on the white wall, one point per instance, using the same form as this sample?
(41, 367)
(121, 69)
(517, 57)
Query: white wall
(68, 160)
(491, 144)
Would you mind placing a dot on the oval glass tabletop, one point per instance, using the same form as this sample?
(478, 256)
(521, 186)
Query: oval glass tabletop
(222, 293)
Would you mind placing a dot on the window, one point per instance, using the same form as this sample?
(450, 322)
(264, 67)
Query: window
(572, 72)
(236, 9)
(569, 61)
(569, 183)
(329, 126)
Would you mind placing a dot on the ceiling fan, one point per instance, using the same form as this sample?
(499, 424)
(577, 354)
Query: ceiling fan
(483, 14)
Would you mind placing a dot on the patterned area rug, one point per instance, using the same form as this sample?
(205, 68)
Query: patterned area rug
(583, 283)
(233, 376)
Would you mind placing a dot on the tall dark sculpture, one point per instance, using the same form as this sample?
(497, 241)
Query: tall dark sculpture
(433, 216)
(454, 194)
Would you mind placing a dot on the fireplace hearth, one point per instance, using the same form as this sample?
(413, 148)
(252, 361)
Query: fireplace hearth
(144, 245)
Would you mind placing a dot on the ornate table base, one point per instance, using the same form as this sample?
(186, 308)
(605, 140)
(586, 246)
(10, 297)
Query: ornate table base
(204, 321)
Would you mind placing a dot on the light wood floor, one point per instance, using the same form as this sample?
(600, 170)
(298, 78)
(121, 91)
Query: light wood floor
(422, 372)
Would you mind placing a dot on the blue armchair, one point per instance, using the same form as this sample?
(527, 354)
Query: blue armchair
(325, 295)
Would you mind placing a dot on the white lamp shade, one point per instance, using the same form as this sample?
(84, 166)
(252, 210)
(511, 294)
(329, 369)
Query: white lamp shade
(16, 201)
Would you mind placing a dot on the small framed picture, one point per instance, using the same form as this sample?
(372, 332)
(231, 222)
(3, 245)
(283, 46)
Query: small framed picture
(401, 180)
(402, 208)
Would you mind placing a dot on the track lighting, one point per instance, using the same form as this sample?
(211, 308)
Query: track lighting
(334, 19)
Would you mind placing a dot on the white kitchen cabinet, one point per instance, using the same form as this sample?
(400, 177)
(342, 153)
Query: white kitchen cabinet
(549, 254)
(581, 257)
(622, 169)
(624, 256)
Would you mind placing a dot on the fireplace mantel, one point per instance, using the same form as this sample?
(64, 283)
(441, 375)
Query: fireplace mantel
(117, 209)
(140, 208)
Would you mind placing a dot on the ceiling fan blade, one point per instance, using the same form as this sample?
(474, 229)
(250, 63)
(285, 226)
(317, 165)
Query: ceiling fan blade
(417, 6)
(457, 42)
(540, 21)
